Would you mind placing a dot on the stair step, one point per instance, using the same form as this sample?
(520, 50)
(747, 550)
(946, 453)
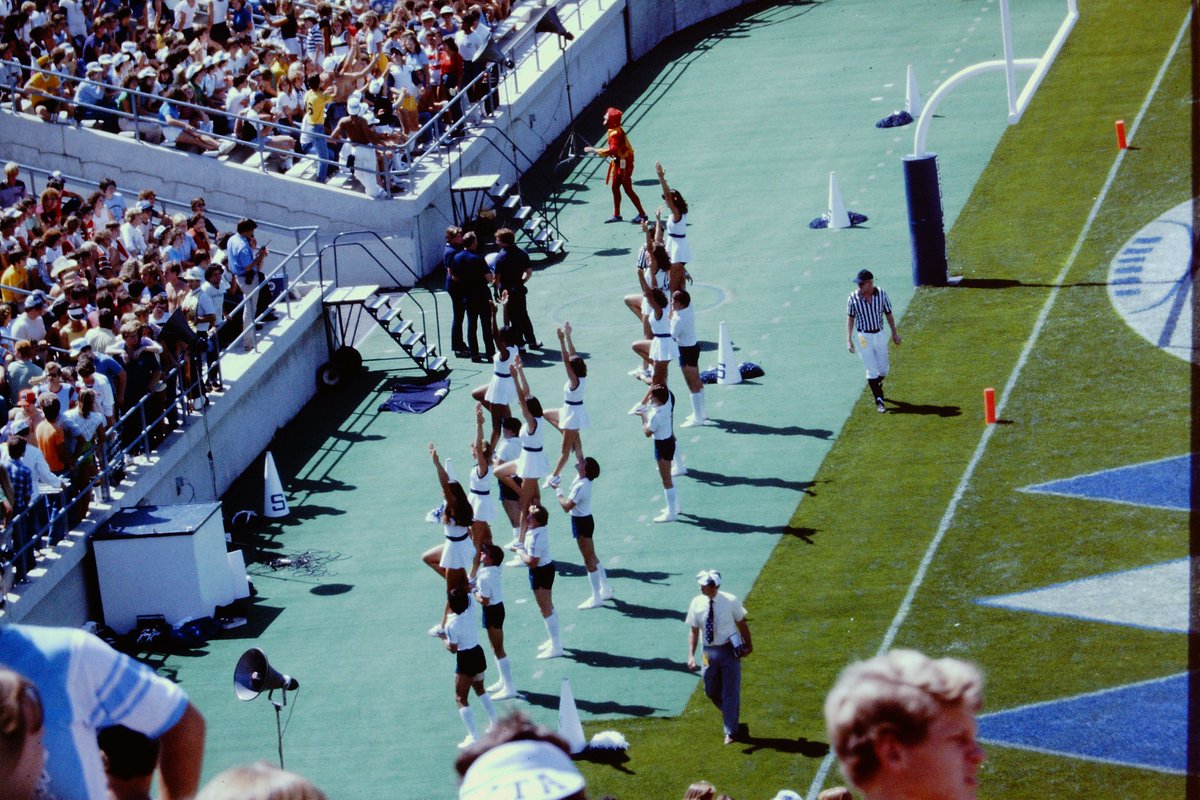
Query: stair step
(555, 247)
(542, 236)
(412, 338)
(404, 328)
(389, 315)
(437, 365)
(523, 213)
(513, 202)
(420, 351)
(535, 222)
(503, 192)
(375, 302)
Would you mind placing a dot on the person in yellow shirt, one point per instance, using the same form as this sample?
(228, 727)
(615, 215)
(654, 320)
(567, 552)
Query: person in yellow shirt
(43, 90)
(15, 276)
(312, 129)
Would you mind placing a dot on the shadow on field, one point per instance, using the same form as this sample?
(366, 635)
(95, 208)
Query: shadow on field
(599, 658)
(901, 407)
(591, 706)
(646, 612)
(728, 526)
(718, 479)
(645, 576)
(799, 746)
(740, 426)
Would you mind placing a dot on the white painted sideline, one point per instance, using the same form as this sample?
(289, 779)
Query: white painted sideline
(906, 605)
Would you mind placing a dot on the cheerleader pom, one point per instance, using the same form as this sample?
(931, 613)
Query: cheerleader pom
(609, 740)
(435, 514)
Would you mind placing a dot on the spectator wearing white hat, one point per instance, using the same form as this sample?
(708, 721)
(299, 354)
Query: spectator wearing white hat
(447, 23)
(519, 759)
(721, 619)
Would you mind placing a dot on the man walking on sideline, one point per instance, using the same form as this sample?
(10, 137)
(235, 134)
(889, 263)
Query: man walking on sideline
(726, 641)
(865, 312)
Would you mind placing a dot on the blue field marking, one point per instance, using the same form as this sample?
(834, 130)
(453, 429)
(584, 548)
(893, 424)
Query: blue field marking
(1154, 597)
(1165, 483)
(1141, 725)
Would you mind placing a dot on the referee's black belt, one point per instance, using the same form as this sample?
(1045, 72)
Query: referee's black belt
(877, 330)
(458, 538)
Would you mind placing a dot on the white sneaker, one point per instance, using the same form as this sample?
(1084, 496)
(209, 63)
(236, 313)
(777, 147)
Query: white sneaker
(505, 693)
(591, 602)
(607, 593)
(678, 468)
(437, 632)
(552, 482)
(692, 422)
(553, 652)
(513, 545)
(666, 515)
(636, 371)
(515, 561)
(546, 645)
(495, 687)
(467, 742)
(381, 193)
(637, 409)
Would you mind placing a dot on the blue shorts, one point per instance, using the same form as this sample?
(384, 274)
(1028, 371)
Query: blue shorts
(583, 526)
(493, 616)
(664, 449)
(542, 577)
(508, 494)
(470, 662)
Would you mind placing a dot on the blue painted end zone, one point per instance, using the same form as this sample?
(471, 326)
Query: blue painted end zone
(1157, 484)
(1143, 725)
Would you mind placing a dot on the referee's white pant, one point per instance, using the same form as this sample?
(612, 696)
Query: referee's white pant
(873, 350)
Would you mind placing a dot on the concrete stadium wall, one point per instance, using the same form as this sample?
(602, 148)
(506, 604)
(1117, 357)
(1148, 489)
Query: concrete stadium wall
(264, 391)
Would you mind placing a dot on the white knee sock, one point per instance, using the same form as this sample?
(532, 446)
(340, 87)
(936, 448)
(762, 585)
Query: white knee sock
(552, 629)
(594, 580)
(505, 672)
(672, 500)
(486, 702)
(697, 399)
(604, 587)
(468, 718)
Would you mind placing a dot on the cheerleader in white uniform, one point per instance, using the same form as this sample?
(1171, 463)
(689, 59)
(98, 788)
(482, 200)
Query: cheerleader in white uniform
(482, 489)
(678, 247)
(683, 331)
(531, 466)
(654, 262)
(453, 557)
(659, 349)
(499, 391)
(572, 417)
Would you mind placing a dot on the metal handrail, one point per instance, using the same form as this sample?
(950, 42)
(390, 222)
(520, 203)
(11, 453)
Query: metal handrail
(408, 291)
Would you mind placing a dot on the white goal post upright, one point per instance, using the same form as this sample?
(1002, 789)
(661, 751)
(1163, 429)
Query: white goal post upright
(920, 168)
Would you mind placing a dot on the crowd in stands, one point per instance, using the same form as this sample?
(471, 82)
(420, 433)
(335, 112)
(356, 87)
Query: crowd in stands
(105, 303)
(268, 72)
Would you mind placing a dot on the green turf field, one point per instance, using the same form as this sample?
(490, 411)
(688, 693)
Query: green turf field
(820, 513)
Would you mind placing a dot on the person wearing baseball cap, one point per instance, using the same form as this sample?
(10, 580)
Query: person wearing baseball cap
(720, 618)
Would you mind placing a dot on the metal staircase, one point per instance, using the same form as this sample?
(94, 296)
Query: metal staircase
(537, 230)
(412, 324)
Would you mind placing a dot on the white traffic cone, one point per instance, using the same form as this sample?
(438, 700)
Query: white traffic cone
(913, 103)
(569, 726)
(727, 370)
(838, 217)
(274, 501)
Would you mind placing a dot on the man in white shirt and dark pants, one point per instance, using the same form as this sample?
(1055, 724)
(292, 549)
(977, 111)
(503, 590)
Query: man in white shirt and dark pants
(720, 618)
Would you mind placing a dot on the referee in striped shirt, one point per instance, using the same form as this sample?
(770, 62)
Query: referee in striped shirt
(865, 312)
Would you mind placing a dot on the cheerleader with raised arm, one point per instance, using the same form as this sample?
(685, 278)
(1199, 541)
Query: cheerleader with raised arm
(572, 417)
(452, 558)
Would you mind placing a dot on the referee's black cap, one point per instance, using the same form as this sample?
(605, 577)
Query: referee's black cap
(863, 276)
